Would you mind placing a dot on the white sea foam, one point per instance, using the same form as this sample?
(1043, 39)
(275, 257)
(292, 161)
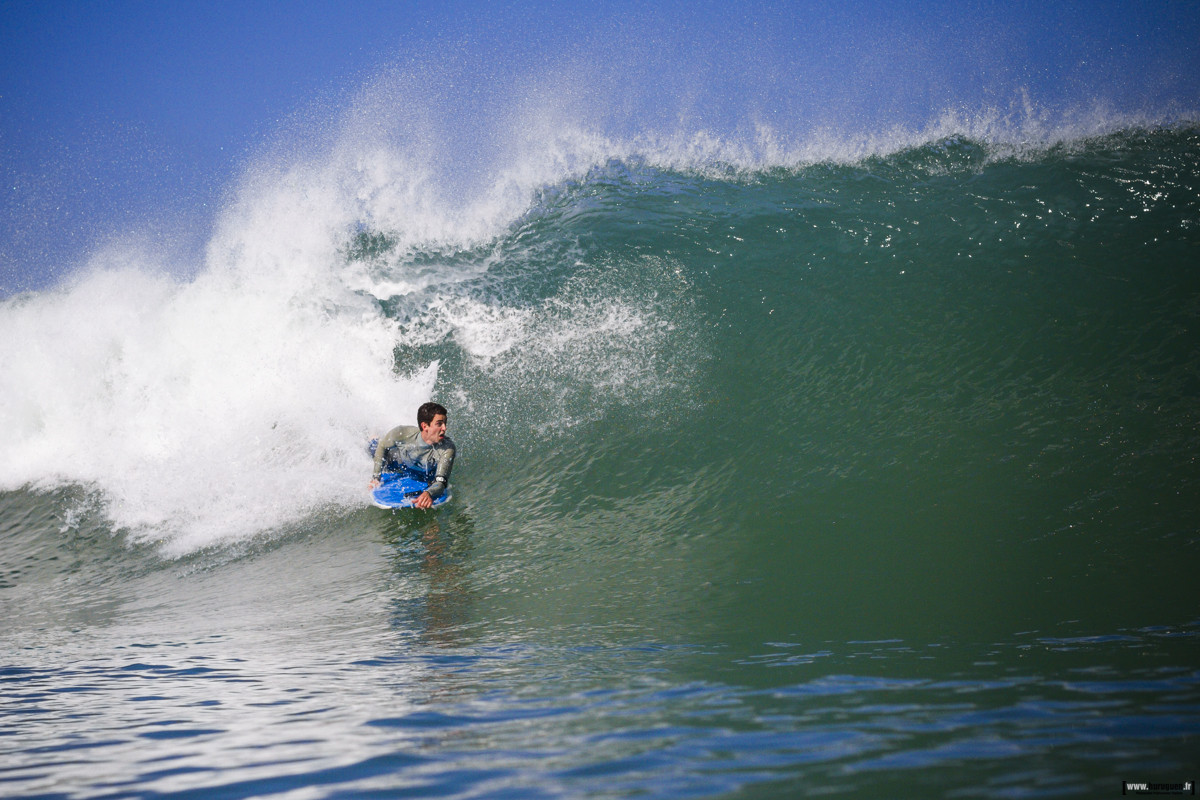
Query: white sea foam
(204, 410)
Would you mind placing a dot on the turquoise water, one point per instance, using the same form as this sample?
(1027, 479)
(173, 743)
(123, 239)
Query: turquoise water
(870, 476)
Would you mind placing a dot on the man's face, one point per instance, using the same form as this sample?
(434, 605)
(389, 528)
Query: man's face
(435, 431)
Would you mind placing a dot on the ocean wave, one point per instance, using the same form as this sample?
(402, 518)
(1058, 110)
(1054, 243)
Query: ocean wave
(552, 273)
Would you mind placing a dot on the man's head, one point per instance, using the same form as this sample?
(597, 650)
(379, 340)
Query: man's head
(431, 419)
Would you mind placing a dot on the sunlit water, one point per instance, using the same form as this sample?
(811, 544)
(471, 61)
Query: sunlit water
(871, 476)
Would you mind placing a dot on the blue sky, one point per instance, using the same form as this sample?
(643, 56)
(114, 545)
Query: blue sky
(123, 114)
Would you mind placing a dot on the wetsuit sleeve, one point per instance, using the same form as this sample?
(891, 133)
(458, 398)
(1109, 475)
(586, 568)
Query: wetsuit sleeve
(385, 441)
(441, 479)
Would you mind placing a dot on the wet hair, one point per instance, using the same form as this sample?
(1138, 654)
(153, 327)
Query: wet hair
(427, 412)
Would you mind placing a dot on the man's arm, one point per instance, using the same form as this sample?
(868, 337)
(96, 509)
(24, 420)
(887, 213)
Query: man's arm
(441, 479)
(385, 441)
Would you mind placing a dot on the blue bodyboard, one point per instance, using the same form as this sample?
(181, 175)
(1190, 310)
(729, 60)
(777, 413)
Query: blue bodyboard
(398, 490)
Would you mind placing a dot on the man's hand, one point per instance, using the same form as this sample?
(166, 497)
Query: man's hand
(423, 500)
(374, 484)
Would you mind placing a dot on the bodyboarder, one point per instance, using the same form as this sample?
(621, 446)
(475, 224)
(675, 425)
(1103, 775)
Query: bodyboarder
(424, 452)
